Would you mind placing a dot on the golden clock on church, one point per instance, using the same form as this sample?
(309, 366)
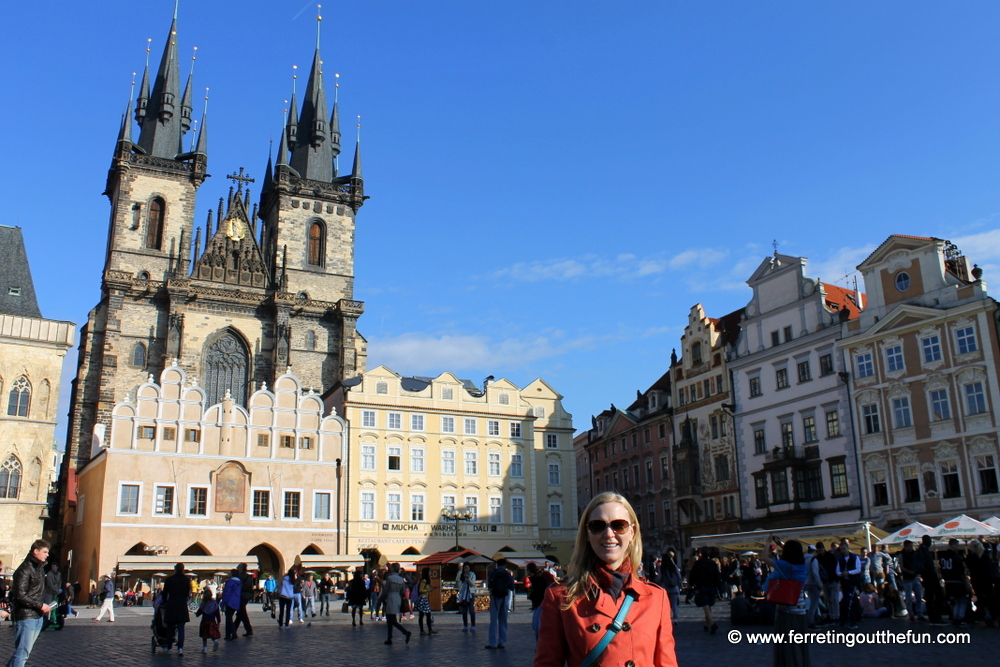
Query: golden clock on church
(235, 229)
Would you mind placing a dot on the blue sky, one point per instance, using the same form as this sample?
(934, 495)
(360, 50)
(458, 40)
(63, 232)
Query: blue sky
(553, 184)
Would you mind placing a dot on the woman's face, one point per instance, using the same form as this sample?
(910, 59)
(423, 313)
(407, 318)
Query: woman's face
(608, 545)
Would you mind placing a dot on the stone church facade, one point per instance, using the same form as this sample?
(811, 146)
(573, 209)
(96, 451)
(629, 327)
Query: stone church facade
(233, 302)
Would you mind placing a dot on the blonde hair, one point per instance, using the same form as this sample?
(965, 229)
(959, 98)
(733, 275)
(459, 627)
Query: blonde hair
(977, 547)
(585, 561)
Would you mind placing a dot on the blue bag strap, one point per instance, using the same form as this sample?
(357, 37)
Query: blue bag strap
(613, 629)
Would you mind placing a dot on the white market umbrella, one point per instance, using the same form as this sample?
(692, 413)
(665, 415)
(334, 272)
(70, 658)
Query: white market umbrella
(993, 522)
(912, 532)
(964, 528)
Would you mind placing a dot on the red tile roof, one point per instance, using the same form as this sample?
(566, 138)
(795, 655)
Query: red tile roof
(445, 557)
(839, 298)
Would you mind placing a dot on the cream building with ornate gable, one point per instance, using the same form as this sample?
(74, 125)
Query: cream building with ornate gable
(177, 480)
(422, 445)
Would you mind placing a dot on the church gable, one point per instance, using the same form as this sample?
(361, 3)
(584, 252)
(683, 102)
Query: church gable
(232, 255)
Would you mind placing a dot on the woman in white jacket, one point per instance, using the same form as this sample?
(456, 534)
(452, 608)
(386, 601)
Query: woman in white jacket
(466, 598)
(392, 592)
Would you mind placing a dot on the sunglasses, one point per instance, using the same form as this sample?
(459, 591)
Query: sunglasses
(598, 526)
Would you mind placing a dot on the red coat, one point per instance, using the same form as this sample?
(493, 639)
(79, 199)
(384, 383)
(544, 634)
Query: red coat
(566, 637)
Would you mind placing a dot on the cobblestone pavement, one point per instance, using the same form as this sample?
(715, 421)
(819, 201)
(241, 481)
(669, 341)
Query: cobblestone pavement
(332, 641)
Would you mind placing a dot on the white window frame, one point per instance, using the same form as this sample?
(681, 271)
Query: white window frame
(368, 419)
(517, 465)
(367, 505)
(555, 518)
(470, 456)
(447, 424)
(394, 499)
(515, 429)
(472, 504)
(517, 509)
(554, 473)
(942, 399)
(894, 361)
(493, 427)
(496, 509)
(394, 421)
(929, 347)
(902, 416)
(981, 407)
(156, 487)
(469, 426)
(865, 365)
(315, 504)
(390, 452)
(551, 441)
(493, 464)
(449, 502)
(208, 501)
(416, 422)
(417, 455)
(418, 500)
(138, 503)
(448, 462)
(301, 493)
(447, 393)
(270, 503)
(369, 455)
(966, 336)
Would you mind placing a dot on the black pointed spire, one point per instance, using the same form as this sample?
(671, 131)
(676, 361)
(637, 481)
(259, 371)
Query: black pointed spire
(312, 152)
(143, 101)
(161, 129)
(268, 174)
(202, 147)
(186, 99)
(356, 170)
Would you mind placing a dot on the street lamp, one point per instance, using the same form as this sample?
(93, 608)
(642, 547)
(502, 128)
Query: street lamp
(457, 516)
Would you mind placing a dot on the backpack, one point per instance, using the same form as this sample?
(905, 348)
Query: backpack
(499, 583)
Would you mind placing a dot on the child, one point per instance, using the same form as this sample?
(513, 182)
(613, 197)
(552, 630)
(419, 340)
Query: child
(209, 629)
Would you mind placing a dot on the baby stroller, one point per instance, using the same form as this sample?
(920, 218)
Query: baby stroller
(163, 634)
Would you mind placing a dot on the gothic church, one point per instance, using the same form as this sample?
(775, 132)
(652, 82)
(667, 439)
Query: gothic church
(236, 300)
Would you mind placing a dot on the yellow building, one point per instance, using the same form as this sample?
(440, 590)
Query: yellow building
(423, 446)
(32, 350)
(175, 480)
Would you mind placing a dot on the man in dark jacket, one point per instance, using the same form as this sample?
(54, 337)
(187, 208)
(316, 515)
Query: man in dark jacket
(246, 594)
(27, 597)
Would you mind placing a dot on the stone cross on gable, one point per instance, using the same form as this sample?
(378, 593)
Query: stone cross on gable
(240, 179)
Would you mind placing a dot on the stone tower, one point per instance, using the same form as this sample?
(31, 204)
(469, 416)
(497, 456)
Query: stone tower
(236, 303)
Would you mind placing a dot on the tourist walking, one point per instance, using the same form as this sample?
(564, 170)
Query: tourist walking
(27, 603)
(601, 591)
(375, 595)
(913, 590)
(670, 580)
(325, 590)
(286, 598)
(500, 584)
(107, 599)
(209, 628)
(933, 593)
(705, 577)
(270, 586)
(538, 582)
(790, 568)
(309, 591)
(357, 595)
(230, 600)
(246, 594)
(392, 596)
(466, 597)
(423, 604)
(176, 591)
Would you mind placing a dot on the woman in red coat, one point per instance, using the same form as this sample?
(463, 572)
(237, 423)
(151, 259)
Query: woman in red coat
(576, 616)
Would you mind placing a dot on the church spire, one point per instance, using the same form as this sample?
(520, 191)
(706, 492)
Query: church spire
(356, 171)
(312, 151)
(143, 101)
(335, 123)
(186, 100)
(202, 147)
(161, 127)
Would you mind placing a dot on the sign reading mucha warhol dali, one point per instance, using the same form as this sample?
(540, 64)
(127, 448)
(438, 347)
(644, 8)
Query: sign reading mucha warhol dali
(230, 488)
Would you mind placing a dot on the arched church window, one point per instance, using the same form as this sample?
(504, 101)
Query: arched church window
(144, 275)
(316, 242)
(226, 363)
(139, 355)
(20, 398)
(154, 224)
(310, 340)
(10, 477)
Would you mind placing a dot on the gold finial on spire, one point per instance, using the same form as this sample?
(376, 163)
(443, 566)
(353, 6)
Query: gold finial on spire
(336, 87)
(131, 92)
(359, 128)
(194, 133)
(295, 75)
(319, 20)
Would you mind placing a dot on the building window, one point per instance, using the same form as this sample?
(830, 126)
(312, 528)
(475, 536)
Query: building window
(515, 429)
(635, 475)
(832, 424)
(649, 472)
(128, 494)
(664, 468)
(316, 238)
(367, 505)
(288, 441)
(393, 506)
(293, 503)
(714, 421)
(496, 510)
(552, 440)
(869, 414)
(164, 501)
(940, 405)
(472, 504)
(894, 358)
(911, 484)
(198, 505)
(447, 393)
(448, 503)
(987, 474)
(394, 421)
(139, 355)
(755, 387)
(809, 429)
(416, 507)
(760, 488)
(395, 460)
(825, 364)
(169, 433)
(305, 442)
(966, 338)
(555, 478)
(416, 460)
(10, 478)
(652, 516)
(950, 479)
(368, 418)
(759, 442)
(788, 334)
(321, 506)
(809, 484)
(470, 427)
(661, 431)
(787, 436)
(779, 486)
(471, 463)
(261, 504)
(721, 468)
(517, 509)
(975, 398)
(147, 432)
(226, 363)
(838, 478)
(707, 387)
(696, 353)
(516, 466)
(901, 412)
(192, 435)
(555, 515)
(805, 373)
(682, 397)
(492, 427)
(493, 464)
(646, 436)
(154, 224)
(447, 424)
(263, 439)
(19, 398)
(416, 422)
(367, 457)
(503, 398)
(880, 489)
(866, 368)
(902, 281)
(775, 339)
(310, 340)
(448, 462)
(932, 349)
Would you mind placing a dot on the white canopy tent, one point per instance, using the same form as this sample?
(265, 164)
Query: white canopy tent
(912, 532)
(963, 527)
(859, 533)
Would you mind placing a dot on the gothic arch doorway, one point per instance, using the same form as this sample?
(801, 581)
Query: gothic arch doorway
(196, 549)
(226, 365)
(268, 560)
